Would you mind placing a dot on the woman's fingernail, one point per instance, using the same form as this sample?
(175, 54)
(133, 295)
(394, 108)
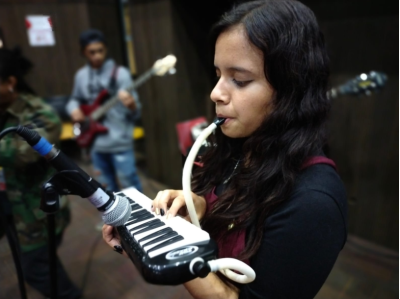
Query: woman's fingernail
(118, 249)
(157, 211)
(162, 212)
(168, 215)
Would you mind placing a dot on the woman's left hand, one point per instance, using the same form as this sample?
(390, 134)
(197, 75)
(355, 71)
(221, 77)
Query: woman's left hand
(175, 201)
(111, 236)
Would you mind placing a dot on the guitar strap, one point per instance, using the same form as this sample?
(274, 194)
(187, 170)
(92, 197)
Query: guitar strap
(112, 85)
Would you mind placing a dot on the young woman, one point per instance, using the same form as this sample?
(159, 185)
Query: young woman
(25, 173)
(265, 192)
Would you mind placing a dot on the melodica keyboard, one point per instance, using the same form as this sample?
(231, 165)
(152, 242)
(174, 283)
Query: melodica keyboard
(162, 249)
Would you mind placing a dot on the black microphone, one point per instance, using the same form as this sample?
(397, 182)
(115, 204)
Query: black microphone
(116, 209)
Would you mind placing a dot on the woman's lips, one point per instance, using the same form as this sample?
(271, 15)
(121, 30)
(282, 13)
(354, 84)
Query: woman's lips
(227, 118)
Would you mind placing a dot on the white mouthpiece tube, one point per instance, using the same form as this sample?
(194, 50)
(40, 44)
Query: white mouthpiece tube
(187, 172)
(226, 265)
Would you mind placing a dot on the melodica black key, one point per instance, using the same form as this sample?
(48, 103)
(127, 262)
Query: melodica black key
(160, 239)
(138, 213)
(156, 234)
(135, 207)
(162, 249)
(147, 226)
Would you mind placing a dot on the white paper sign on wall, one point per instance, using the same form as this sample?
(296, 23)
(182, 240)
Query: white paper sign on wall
(40, 31)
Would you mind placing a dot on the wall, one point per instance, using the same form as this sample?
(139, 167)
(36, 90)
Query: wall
(158, 31)
(55, 66)
(364, 131)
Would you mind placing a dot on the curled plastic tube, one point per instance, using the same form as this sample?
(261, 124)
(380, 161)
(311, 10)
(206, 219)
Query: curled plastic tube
(226, 265)
(187, 169)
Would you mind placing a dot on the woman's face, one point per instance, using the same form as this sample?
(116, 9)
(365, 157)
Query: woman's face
(242, 95)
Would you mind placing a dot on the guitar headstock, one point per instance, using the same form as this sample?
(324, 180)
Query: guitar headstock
(165, 65)
(363, 84)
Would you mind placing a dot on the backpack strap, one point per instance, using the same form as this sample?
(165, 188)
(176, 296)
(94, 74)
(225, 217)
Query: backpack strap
(318, 160)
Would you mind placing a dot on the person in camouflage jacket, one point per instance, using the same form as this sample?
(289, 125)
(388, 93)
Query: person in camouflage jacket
(25, 172)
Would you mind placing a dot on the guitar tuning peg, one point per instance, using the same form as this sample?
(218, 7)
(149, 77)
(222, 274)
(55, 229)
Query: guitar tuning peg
(172, 71)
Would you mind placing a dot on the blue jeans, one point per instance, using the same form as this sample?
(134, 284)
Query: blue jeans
(116, 170)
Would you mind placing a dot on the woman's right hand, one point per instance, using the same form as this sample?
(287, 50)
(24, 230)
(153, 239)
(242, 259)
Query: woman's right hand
(111, 237)
(173, 202)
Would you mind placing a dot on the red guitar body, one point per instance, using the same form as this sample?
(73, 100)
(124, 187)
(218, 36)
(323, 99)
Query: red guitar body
(90, 128)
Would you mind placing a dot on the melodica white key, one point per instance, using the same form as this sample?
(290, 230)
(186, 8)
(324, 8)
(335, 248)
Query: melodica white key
(162, 249)
(183, 233)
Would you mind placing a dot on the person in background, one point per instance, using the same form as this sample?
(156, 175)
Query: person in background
(25, 173)
(266, 192)
(112, 153)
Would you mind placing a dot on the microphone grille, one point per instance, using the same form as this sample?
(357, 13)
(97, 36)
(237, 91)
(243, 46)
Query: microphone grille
(118, 213)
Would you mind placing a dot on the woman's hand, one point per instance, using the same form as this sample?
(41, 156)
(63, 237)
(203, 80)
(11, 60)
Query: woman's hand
(172, 202)
(111, 236)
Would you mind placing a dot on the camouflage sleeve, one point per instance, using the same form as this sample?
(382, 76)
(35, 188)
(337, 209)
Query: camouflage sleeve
(14, 151)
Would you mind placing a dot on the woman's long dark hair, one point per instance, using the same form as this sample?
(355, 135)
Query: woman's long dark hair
(296, 65)
(13, 64)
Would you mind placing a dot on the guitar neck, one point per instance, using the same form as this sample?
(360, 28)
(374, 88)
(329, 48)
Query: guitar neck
(102, 110)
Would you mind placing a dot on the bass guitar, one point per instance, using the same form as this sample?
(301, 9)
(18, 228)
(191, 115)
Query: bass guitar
(363, 84)
(85, 132)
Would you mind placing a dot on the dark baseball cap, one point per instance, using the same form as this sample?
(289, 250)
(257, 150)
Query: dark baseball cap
(91, 36)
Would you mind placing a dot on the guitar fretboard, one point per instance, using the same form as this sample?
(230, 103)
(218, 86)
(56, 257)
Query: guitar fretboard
(102, 110)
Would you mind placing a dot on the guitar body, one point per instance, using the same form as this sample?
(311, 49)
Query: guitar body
(90, 128)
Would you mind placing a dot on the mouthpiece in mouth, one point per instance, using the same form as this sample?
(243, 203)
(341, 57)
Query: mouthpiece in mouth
(219, 121)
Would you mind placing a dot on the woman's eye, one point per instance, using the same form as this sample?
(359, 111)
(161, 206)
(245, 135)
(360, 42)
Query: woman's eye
(241, 83)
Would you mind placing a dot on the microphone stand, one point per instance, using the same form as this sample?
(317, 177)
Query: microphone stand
(12, 237)
(66, 182)
(50, 204)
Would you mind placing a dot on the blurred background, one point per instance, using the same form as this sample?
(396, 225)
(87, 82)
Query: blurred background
(361, 36)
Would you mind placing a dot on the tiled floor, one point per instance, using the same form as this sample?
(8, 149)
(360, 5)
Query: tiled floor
(362, 271)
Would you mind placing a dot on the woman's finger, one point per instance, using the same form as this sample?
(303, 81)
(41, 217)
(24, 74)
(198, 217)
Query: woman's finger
(167, 196)
(178, 203)
(165, 199)
(156, 202)
(110, 236)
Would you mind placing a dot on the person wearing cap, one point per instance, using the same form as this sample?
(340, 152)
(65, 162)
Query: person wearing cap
(111, 153)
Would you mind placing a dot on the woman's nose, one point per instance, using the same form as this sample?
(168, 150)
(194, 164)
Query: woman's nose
(220, 93)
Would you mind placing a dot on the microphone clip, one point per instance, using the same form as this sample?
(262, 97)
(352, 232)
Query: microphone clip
(71, 182)
(62, 183)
